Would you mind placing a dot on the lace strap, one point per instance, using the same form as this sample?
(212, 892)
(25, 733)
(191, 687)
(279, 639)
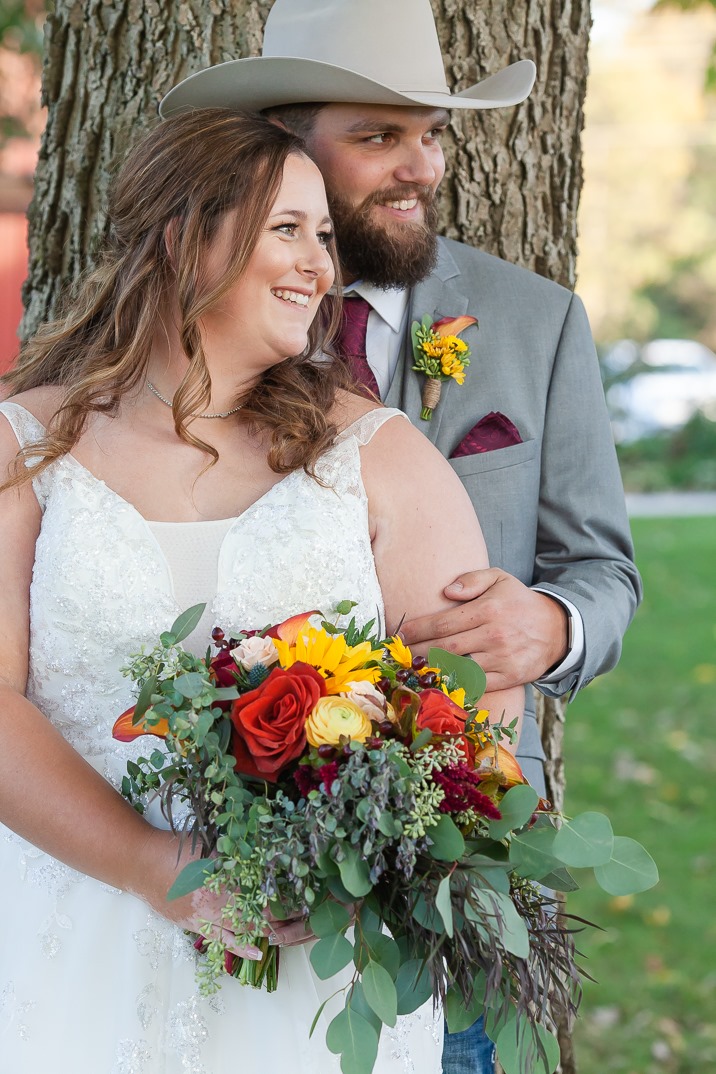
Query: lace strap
(26, 427)
(364, 428)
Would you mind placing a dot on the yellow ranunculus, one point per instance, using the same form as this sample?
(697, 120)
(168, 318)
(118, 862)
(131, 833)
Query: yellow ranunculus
(333, 717)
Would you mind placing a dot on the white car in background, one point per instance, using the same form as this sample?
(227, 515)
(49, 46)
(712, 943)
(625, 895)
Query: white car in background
(672, 380)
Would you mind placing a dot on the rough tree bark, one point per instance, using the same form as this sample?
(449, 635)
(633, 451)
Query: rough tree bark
(513, 178)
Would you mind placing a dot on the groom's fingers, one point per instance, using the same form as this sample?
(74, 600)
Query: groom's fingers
(515, 633)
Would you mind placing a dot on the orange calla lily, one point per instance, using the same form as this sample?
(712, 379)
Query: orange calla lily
(125, 730)
(290, 629)
(501, 761)
(453, 326)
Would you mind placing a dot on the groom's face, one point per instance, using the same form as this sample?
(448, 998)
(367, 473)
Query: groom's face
(382, 166)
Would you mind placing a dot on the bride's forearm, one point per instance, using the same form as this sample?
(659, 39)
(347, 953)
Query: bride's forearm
(53, 798)
(504, 706)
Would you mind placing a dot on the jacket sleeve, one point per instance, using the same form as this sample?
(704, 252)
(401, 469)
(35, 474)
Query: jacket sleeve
(584, 547)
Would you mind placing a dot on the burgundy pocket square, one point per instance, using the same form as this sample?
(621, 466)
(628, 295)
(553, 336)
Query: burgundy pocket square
(493, 431)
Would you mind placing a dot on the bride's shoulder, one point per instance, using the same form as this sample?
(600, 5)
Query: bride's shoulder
(348, 408)
(42, 402)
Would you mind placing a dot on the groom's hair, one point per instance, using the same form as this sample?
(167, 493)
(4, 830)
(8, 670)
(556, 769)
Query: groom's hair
(300, 119)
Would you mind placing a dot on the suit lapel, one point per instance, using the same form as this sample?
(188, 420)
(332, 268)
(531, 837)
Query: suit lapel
(439, 296)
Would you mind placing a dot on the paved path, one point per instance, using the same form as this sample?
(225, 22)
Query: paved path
(666, 504)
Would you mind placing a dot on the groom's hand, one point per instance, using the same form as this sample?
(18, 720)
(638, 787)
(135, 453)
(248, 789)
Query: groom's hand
(514, 633)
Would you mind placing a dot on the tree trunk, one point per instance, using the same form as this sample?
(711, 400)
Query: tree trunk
(513, 177)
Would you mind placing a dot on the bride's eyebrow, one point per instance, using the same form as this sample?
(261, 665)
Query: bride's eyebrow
(298, 214)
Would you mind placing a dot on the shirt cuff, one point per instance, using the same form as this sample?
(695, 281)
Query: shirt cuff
(575, 654)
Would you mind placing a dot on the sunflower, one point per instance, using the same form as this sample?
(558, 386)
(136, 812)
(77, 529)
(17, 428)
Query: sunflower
(338, 662)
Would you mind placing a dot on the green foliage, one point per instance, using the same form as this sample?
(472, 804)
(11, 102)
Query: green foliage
(640, 746)
(682, 460)
(462, 671)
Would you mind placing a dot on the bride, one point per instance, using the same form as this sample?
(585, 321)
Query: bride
(159, 450)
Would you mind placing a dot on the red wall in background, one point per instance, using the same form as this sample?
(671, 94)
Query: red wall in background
(13, 270)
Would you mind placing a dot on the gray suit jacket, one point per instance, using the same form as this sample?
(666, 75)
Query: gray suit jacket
(551, 508)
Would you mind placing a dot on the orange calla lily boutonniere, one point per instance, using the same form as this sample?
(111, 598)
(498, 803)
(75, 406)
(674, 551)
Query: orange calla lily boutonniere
(440, 354)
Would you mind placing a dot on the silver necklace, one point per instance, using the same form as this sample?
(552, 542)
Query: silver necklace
(167, 402)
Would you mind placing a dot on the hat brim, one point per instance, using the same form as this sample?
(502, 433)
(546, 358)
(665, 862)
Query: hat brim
(259, 82)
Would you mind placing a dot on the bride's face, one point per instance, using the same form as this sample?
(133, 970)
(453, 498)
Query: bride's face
(266, 315)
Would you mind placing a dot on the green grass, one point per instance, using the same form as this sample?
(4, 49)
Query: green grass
(641, 746)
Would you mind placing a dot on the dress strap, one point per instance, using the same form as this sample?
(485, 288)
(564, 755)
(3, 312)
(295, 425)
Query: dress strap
(364, 428)
(26, 427)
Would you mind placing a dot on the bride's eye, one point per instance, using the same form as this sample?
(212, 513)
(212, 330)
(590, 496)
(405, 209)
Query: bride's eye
(325, 237)
(286, 229)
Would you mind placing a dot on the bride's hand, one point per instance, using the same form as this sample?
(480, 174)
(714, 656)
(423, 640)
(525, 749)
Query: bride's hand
(193, 911)
(288, 932)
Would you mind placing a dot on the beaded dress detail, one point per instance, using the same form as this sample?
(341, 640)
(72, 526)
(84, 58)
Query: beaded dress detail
(91, 980)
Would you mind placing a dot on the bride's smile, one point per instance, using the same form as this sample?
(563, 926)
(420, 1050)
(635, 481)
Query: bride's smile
(264, 318)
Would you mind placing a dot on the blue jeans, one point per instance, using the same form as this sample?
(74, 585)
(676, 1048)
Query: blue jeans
(471, 1052)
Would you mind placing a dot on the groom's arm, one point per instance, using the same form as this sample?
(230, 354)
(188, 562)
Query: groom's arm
(583, 549)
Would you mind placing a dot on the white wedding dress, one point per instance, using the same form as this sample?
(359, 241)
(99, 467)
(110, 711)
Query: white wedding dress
(91, 980)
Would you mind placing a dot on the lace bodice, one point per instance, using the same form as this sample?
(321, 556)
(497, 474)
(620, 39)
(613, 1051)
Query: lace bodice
(90, 978)
(102, 587)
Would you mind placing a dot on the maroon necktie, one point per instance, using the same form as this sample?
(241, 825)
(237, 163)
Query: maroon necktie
(351, 341)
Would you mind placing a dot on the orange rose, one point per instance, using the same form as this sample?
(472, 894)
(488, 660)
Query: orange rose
(270, 721)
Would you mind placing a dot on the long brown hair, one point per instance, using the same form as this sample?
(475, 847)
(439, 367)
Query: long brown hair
(186, 175)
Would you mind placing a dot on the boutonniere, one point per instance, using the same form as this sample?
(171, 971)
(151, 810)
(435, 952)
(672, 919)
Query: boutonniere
(440, 355)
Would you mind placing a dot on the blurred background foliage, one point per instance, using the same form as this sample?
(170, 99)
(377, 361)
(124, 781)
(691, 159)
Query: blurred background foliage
(647, 253)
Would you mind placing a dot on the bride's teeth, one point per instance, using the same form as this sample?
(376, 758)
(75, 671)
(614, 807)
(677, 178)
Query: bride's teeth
(291, 296)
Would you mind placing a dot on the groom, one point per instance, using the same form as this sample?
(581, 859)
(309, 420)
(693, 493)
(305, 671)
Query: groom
(362, 81)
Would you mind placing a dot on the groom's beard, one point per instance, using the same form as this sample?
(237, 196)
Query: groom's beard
(399, 257)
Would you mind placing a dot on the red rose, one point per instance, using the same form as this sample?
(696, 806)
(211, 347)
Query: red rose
(270, 722)
(437, 713)
(223, 667)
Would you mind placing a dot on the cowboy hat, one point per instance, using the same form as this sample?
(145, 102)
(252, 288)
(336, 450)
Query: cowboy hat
(353, 51)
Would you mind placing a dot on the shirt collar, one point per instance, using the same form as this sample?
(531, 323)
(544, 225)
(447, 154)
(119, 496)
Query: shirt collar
(390, 305)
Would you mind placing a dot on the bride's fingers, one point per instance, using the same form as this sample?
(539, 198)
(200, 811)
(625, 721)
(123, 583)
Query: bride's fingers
(233, 942)
(290, 933)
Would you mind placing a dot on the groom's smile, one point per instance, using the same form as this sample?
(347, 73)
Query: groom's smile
(382, 166)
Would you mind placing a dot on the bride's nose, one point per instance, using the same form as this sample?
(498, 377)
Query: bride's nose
(315, 262)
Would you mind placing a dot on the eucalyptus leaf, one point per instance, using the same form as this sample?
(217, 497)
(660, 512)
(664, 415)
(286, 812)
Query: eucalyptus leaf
(443, 905)
(145, 698)
(337, 889)
(191, 878)
(585, 841)
(413, 986)
(516, 808)
(329, 918)
(380, 992)
(630, 870)
(355, 873)
(184, 624)
(461, 1016)
(330, 955)
(427, 916)
(447, 842)
(189, 685)
(357, 1002)
(466, 672)
(511, 929)
(516, 1043)
(531, 852)
(355, 1039)
(377, 947)
(560, 880)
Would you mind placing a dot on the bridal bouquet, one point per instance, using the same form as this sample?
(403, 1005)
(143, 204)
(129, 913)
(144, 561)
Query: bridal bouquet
(329, 774)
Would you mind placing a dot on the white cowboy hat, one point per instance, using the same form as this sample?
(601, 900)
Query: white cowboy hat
(355, 51)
